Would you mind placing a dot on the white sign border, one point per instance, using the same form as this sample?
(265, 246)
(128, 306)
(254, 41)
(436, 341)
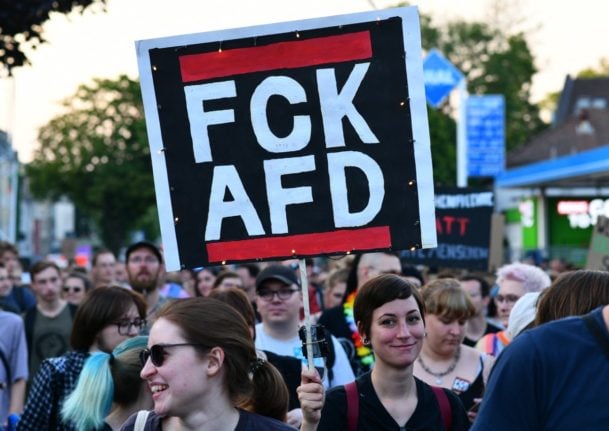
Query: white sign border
(416, 90)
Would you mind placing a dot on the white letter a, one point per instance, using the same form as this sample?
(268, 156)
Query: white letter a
(226, 177)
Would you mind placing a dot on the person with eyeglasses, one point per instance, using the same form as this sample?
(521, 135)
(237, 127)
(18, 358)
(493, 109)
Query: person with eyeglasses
(279, 301)
(201, 366)
(106, 317)
(75, 287)
(514, 280)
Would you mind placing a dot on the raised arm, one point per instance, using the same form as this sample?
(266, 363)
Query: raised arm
(311, 397)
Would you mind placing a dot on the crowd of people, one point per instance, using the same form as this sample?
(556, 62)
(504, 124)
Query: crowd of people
(125, 345)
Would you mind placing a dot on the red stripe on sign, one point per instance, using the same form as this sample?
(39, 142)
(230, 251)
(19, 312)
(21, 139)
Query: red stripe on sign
(301, 245)
(281, 55)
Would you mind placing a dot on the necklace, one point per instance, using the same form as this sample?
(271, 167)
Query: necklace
(364, 353)
(449, 370)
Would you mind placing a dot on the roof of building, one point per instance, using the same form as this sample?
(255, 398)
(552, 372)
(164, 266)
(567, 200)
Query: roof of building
(588, 130)
(581, 93)
(573, 151)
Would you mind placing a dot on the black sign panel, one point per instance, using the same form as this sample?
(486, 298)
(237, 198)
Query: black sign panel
(463, 225)
(295, 143)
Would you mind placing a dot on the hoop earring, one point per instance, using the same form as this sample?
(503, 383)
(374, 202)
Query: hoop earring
(365, 341)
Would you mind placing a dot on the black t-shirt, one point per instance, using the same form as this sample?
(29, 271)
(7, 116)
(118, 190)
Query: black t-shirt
(490, 329)
(247, 422)
(290, 369)
(374, 416)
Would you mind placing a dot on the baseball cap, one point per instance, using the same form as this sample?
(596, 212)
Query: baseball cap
(144, 244)
(277, 272)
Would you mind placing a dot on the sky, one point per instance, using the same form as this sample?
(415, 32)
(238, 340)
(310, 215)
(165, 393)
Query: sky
(565, 38)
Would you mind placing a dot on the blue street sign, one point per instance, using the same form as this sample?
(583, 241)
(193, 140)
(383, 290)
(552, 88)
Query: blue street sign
(440, 77)
(485, 135)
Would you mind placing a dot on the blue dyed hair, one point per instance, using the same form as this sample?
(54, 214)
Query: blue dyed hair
(103, 381)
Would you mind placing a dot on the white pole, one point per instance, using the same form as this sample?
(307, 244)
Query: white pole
(462, 135)
(304, 283)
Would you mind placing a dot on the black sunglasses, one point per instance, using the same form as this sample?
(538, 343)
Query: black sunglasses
(156, 353)
(75, 289)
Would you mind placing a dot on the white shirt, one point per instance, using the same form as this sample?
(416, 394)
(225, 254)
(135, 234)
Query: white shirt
(342, 372)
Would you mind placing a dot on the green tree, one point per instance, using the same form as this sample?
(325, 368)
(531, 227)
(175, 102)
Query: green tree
(21, 25)
(601, 70)
(97, 154)
(494, 63)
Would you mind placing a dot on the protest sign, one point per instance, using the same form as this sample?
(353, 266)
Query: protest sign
(290, 140)
(463, 223)
(598, 252)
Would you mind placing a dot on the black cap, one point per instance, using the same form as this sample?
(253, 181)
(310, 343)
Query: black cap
(277, 272)
(144, 244)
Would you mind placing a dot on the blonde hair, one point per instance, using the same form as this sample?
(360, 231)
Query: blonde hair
(444, 297)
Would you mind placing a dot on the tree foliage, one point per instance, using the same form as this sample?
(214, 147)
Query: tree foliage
(601, 70)
(21, 25)
(494, 63)
(97, 155)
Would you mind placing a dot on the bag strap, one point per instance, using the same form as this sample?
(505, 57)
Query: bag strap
(596, 330)
(445, 409)
(140, 420)
(352, 405)
(7, 369)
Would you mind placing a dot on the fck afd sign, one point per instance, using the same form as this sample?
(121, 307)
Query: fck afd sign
(289, 140)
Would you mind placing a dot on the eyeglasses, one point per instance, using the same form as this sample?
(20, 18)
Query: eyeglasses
(282, 294)
(510, 299)
(148, 260)
(157, 353)
(124, 326)
(75, 289)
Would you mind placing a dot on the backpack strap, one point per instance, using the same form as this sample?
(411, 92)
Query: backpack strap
(352, 405)
(596, 330)
(445, 409)
(7, 369)
(29, 321)
(140, 420)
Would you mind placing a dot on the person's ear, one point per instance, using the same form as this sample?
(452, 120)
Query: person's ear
(215, 359)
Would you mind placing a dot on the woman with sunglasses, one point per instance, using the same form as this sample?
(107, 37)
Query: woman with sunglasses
(201, 365)
(75, 287)
(109, 389)
(107, 317)
(389, 315)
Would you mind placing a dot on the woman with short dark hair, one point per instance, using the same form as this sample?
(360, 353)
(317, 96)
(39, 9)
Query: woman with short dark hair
(390, 318)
